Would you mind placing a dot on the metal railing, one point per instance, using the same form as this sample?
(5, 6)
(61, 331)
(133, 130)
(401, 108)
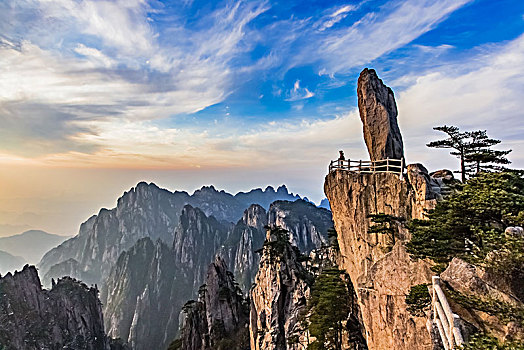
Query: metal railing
(447, 322)
(388, 165)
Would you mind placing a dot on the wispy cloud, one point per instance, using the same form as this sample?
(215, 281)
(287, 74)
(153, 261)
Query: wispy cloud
(298, 93)
(378, 33)
(109, 64)
(335, 17)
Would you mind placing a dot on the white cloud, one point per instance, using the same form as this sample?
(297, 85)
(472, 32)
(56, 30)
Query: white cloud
(484, 94)
(335, 17)
(379, 33)
(122, 24)
(95, 55)
(298, 93)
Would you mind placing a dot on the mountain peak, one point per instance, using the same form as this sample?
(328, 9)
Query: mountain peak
(282, 189)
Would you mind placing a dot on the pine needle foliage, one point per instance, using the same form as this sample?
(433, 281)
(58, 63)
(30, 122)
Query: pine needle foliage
(470, 224)
(473, 148)
(329, 306)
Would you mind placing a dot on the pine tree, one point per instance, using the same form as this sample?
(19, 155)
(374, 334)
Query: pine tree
(473, 148)
(479, 155)
(329, 305)
(457, 140)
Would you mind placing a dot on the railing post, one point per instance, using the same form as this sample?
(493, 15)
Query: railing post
(387, 164)
(360, 166)
(401, 168)
(456, 330)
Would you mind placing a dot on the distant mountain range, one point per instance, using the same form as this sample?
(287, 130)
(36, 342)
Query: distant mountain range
(30, 245)
(144, 211)
(151, 252)
(10, 263)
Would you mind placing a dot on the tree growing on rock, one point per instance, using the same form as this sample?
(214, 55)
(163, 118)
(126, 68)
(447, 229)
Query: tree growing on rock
(471, 224)
(329, 306)
(473, 148)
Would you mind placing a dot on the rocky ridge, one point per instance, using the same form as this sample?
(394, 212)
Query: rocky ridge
(151, 275)
(219, 319)
(144, 211)
(279, 296)
(68, 316)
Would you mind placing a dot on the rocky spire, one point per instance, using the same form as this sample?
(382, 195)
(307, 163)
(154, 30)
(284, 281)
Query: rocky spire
(279, 296)
(219, 319)
(69, 316)
(378, 112)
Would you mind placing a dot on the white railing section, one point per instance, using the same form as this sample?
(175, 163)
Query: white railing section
(388, 165)
(447, 322)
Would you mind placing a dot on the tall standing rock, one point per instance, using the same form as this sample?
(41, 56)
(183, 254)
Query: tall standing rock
(378, 112)
(219, 319)
(279, 297)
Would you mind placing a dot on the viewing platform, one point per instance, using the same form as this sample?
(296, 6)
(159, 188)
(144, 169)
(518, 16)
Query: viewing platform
(388, 165)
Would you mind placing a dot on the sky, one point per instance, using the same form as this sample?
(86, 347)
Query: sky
(96, 96)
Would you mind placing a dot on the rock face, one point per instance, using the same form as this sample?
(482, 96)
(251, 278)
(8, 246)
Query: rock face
(197, 239)
(69, 316)
(144, 211)
(378, 112)
(150, 282)
(473, 281)
(381, 278)
(219, 319)
(143, 296)
(278, 297)
(245, 238)
(307, 223)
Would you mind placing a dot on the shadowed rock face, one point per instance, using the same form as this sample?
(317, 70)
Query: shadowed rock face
(279, 295)
(69, 316)
(378, 112)
(219, 319)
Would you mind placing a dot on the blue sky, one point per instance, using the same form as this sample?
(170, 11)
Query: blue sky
(239, 94)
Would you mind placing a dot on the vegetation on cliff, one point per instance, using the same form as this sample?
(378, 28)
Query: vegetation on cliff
(329, 308)
(473, 148)
(470, 224)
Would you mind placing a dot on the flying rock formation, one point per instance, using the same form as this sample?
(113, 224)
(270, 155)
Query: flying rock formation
(378, 112)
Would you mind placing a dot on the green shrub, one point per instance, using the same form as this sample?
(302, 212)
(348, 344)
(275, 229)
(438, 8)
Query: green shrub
(418, 300)
(470, 224)
(483, 341)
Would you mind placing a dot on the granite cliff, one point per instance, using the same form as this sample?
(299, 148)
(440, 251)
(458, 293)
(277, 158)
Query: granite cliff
(219, 319)
(382, 273)
(68, 316)
(279, 296)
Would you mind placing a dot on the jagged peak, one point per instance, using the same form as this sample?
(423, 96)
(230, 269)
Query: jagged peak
(270, 189)
(28, 272)
(282, 189)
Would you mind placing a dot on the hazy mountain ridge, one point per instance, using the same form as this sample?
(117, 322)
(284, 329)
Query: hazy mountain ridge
(144, 211)
(10, 263)
(132, 298)
(30, 245)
